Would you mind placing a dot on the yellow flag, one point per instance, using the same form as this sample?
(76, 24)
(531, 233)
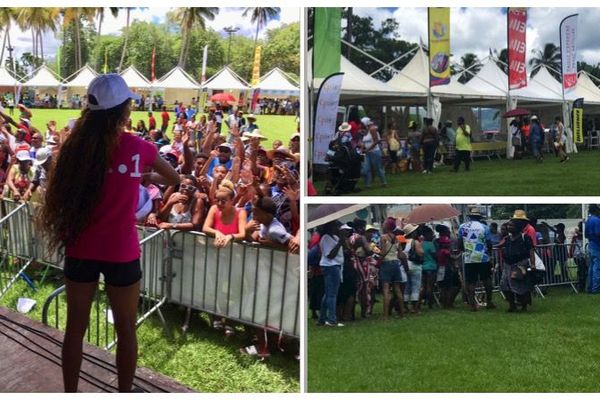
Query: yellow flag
(439, 46)
(256, 67)
(105, 69)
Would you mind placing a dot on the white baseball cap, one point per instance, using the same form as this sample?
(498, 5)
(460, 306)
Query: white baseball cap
(108, 91)
(23, 155)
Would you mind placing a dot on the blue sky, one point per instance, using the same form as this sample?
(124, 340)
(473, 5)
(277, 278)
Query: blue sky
(227, 16)
(475, 30)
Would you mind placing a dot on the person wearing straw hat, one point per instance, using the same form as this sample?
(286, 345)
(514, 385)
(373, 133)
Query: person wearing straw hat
(89, 209)
(254, 139)
(250, 124)
(414, 251)
(519, 260)
(475, 242)
(592, 233)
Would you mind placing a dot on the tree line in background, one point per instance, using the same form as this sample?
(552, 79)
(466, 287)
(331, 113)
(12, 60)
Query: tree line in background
(178, 41)
(541, 211)
(385, 44)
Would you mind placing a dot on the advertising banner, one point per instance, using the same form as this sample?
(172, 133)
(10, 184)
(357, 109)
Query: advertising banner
(568, 51)
(327, 41)
(439, 46)
(328, 100)
(517, 27)
(578, 121)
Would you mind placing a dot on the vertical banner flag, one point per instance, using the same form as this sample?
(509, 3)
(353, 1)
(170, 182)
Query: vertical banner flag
(152, 65)
(578, 121)
(517, 27)
(568, 51)
(256, 66)
(202, 100)
(328, 100)
(439, 46)
(204, 58)
(255, 97)
(327, 41)
(105, 69)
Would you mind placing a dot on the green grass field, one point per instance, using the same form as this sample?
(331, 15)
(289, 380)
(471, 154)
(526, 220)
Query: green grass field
(272, 126)
(578, 177)
(551, 348)
(202, 359)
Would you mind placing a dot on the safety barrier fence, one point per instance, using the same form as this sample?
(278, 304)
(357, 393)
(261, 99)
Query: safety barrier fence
(244, 282)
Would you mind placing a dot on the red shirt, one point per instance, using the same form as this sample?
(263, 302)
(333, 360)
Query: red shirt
(112, 235)
(152, 123)
(530, 231)
(165, 118)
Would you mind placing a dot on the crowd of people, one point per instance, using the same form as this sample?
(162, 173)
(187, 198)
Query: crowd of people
(409, 265)
(231, 187)
(421, 149)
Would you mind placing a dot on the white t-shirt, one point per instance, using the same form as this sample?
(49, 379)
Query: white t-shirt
(327, 244)
(275, 232)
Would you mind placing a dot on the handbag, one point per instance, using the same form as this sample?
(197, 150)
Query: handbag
(539, 264)
(516, 141)
(394, 145)
(414, 256)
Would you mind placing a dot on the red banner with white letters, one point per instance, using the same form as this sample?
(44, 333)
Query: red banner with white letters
(517, 27)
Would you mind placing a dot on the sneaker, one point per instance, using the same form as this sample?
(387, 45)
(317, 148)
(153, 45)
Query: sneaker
(218, 325)
(229, 332)
(336, 325)
(319, 323)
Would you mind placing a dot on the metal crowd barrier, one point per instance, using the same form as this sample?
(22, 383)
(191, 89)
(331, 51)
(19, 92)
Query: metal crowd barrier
(16, 243)
(243, 282)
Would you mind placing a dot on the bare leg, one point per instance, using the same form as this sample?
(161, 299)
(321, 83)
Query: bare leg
(123, 301)
(386, 299)
(400, 298)
(79, 301)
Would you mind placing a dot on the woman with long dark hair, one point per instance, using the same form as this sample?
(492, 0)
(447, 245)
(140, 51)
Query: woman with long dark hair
(89, 209)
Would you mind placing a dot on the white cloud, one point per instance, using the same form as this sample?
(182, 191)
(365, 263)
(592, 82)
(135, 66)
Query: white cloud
(21, 40)
(476, 30)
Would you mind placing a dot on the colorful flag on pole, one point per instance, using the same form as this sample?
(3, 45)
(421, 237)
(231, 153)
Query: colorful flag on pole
(327, 41)
(255, 97)
(578, 121)
(58, 61)
(204, 58)
(517, 27)
(152, 65)
(256, 66)
(568, 51)
(439, 46)
(105, 69)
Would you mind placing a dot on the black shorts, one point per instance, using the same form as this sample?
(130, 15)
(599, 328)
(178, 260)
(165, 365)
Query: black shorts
(477, 271)
(115, 274)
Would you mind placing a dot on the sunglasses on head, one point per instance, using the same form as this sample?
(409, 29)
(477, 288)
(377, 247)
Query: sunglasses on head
(191, 188)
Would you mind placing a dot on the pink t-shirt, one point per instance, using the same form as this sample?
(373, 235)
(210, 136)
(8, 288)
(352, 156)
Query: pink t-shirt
(111, 235)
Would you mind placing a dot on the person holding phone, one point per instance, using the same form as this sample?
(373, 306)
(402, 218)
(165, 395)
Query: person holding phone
(90, 210)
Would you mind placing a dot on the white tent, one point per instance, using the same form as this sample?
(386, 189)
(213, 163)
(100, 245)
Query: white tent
(82, 78)
(176, 78)
(490, 80)
(276, 82)
(43, 77)
(177, 85)
(226, 79)
(587, 89)
(6, 79)
(135, 79)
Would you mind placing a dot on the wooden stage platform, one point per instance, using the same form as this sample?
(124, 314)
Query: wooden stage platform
(30, 362)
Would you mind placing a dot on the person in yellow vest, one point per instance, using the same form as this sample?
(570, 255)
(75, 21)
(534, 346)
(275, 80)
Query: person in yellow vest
(463, 145)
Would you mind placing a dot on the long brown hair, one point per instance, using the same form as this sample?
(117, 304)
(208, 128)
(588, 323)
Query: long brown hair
(76, 180)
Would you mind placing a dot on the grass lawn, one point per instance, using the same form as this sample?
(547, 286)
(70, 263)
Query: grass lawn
(552, 348)
(203, 359)
(272, 126)
(578, 177)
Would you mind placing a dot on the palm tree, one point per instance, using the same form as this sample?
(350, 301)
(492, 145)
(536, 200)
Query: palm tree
(38, 19)
(502, 61)
(549, 57)
(74, 15)
(126, 39)
(99, 11)
(261, 15)
(191, 17)
(7, 15)
(471, 63)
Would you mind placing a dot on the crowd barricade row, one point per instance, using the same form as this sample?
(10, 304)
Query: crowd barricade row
(245, 282)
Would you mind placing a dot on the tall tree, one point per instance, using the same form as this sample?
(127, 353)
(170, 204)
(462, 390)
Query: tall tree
(126, 39)
(74, 15)
(469, 62)
(99, 11)
(261, 16)
(502, 61)
(38, 20)
(7, 16)
(190, 18)
(549, 56)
